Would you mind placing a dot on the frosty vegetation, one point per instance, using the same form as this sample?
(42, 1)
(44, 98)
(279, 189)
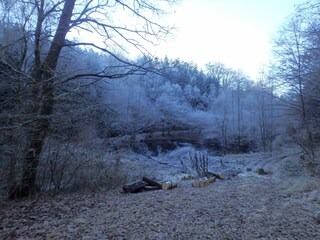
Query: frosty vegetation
(69, 106)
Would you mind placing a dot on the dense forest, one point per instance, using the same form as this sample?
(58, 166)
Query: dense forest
(67, 102)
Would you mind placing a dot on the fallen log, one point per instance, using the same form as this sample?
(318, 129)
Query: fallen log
(217, 175)
(134, 187)
(168, 185)
(203, 182)
(149, 188)
(152, 183)
(147, 185)
(261, 171)
(211, 180)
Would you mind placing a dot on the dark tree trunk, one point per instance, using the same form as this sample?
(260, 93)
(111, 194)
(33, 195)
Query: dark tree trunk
(31, 158)
(38, 130)
(152, 183)
(134, 187)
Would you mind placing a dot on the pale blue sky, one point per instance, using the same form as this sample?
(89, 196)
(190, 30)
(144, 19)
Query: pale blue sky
(237, 33)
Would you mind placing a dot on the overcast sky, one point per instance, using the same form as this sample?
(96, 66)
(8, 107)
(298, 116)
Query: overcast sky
(237, 33)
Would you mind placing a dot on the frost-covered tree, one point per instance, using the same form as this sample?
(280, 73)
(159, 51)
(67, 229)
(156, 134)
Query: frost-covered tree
(45, 29)
(297, 69)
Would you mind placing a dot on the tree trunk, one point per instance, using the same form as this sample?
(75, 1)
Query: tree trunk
(203, 182)
(31, 158)
(39, 129)
(168, 185)
(134, 187)
(152, 183)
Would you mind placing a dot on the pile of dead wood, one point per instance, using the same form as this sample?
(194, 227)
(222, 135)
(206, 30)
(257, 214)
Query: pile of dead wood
(147, 184)
(208, 175)
(202, 182)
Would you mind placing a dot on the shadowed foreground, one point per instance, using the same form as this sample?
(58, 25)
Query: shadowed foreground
(247, 207)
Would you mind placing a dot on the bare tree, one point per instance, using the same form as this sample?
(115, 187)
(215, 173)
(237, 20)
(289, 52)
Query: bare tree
(225, 77)
(221, 73)
(264, 97)
(44, 27)
(295, 70)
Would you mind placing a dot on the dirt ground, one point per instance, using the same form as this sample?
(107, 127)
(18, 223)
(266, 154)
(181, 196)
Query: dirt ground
(247, 206)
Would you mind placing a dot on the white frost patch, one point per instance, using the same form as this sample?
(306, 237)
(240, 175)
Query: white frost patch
(171, 166)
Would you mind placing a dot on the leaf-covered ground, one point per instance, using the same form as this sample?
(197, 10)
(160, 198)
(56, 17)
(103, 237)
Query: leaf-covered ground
(249, 206)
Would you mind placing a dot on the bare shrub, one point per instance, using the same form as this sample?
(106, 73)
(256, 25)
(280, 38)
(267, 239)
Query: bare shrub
(309, 158)
(11, 145)
(199, 162)
(59, 165)
(74, 164)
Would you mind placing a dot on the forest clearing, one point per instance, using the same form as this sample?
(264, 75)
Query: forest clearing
(245, 205)
(102, 137)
